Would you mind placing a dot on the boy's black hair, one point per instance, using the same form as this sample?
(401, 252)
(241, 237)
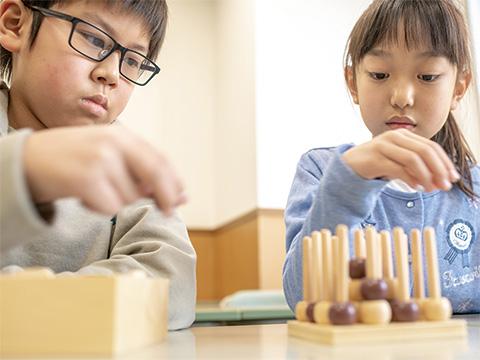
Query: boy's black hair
(153, 12)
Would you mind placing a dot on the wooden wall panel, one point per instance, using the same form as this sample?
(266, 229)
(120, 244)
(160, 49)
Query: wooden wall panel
(237, 257)
(247, 253)
(204, 244)
(271, 244)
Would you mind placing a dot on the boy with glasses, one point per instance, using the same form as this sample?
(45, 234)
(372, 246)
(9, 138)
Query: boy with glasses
(69, 64)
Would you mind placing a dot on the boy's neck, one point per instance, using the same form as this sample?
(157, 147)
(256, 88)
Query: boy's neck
(19, 116)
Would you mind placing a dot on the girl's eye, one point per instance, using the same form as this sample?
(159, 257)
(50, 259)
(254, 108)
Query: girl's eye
(379, 76)
(428, 77)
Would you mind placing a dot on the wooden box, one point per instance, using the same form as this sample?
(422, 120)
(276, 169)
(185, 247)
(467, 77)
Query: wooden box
(46, 315)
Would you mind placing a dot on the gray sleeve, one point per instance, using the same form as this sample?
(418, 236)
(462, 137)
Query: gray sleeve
(20, 220)
(144, 239)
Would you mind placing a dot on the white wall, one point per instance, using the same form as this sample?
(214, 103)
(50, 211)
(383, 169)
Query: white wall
(235, 149)
(471, 124)
(200, 108)
(176, 111)
(247, 86)
(302, 101)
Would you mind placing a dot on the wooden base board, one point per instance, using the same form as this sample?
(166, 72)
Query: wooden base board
(378, 334)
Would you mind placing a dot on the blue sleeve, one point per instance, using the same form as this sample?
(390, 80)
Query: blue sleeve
(325, 193)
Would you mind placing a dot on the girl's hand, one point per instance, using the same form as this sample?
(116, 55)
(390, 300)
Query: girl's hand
(401, 154)
(106, 167)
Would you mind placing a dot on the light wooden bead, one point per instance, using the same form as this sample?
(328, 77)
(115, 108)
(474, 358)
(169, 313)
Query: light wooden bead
(357, 305)
(301, 311)
(375, 312)
(320, 312)
(354, 290)
(437, 309)
(421, 305)
(392, 288)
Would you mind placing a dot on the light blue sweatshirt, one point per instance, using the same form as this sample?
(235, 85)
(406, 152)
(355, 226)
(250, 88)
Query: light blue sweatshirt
(326, 192)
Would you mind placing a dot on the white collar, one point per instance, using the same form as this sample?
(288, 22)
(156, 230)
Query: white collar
(400, 185)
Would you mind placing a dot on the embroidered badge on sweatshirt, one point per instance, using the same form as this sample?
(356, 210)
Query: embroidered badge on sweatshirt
(460, 237)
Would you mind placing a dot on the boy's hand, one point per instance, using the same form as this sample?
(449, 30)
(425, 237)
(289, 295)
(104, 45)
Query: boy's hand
(106, 167)
(401, 154)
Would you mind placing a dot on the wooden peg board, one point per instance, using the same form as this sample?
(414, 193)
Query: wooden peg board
(437, 328)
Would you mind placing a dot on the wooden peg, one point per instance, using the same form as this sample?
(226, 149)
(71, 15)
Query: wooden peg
(417, 270)
(301, 307)
(317, 287)
(342, 264)
(359, 240)
(387, 264)
(371, 236)
(307, 283)
(401, 264)
(327, 270)
(417, 265)
(403, 309)
(435, 307)
(373, 287)
(320, 311)
(357, 263)
(342, 312)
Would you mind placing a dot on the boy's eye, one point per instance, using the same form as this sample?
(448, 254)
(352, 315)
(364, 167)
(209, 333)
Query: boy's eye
(378, 76)
(132, 62)
(94, 40)
(428, 77)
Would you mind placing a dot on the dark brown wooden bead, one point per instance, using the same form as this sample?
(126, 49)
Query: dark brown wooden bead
(374, 289)
(405, 311)
(342, 313)
(309, 312)
(356, 267)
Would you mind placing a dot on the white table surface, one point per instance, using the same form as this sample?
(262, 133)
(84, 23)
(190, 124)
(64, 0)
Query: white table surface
(272, 342)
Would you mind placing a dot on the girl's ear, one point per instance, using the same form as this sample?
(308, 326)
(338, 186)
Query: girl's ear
(13, 29)
(352, 87)
(461, 86)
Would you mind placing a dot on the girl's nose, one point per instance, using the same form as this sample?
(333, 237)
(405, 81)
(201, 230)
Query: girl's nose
(107, 71)
(402, 96)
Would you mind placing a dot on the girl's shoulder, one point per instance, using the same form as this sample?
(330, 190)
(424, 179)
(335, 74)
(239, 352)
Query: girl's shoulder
(319, 157)
(475, 171)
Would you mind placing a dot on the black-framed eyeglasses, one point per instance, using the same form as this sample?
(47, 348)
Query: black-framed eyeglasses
(95, 44)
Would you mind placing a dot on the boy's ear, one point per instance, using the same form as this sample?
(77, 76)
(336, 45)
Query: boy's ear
(13, 17)
(352, 87)
(461, 87)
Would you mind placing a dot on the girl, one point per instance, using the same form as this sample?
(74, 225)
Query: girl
(407, 66)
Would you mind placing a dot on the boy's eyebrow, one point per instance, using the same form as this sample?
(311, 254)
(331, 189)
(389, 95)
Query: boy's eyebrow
(97, 19)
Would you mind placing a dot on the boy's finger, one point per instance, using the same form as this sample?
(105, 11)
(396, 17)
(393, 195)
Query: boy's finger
(104, 200)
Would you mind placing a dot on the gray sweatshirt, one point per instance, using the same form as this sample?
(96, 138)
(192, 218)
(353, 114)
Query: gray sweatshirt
(83, 242)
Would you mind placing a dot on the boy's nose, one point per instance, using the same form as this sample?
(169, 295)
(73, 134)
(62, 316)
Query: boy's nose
(107, 71)
(402, 96)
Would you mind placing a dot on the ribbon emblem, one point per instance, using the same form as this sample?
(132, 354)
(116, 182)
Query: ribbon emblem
(460, 236)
